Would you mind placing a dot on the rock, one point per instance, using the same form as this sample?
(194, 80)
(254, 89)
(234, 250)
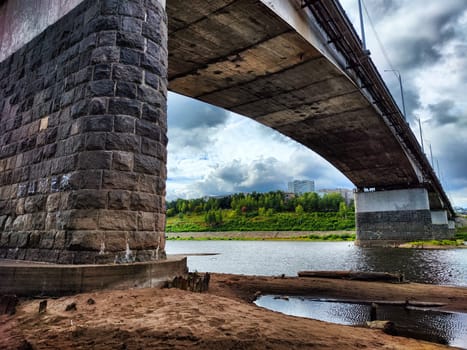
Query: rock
(387, 327)
(8, 304)
(43, 306)
(71, 307)
(91, 301)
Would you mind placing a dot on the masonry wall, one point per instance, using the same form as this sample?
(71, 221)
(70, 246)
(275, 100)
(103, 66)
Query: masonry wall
(387, 217)
(83, 137)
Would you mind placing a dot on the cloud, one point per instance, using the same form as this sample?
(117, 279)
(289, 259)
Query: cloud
(444, 113)
(192, 124)
(245, 156)
(187, 114)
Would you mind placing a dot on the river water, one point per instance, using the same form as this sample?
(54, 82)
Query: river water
(446, 267)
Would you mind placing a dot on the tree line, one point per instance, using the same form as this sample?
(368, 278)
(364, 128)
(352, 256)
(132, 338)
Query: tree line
(253, 204)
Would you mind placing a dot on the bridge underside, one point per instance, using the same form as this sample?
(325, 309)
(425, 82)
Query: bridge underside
(241, 56)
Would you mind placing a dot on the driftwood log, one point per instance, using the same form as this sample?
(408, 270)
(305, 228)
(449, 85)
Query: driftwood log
(355, 275)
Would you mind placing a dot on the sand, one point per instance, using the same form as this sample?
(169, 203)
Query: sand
(224, 318)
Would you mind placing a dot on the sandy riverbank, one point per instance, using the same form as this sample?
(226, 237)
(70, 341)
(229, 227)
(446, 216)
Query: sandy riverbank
(224, 318)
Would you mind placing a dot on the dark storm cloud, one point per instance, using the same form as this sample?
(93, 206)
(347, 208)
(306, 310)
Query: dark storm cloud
(192, 123)
(453, 160)
(444, 113)
(184, 113)
(422, 46)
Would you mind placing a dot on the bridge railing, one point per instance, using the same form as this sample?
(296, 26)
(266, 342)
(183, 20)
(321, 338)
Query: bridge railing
(331, 17)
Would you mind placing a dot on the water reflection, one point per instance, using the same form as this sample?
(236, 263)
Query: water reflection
(441, 327)
(275, 258)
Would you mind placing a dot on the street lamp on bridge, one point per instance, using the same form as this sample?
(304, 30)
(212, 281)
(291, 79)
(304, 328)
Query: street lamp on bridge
(398, 75)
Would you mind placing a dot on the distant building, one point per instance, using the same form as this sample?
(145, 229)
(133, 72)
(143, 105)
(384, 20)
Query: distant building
(347, 194)
(301, 186)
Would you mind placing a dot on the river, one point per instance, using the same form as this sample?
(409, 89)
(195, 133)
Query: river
(446, 267)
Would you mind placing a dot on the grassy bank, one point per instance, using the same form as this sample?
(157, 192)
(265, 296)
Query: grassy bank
(337, 236)
(232, 221)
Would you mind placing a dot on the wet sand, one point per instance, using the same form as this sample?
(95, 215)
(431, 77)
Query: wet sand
(223, 318)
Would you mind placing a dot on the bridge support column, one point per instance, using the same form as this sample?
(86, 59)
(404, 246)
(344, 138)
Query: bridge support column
(83, 137)
(389, 217)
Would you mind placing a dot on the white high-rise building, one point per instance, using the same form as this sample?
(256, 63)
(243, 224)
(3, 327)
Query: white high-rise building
(301, 186)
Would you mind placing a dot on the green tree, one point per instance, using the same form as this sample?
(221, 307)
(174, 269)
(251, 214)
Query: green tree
(299, 209)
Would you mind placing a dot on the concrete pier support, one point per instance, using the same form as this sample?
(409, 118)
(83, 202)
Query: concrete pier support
(83, 137)
(388, 217)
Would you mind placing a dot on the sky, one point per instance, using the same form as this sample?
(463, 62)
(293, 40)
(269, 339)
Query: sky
(215, 152)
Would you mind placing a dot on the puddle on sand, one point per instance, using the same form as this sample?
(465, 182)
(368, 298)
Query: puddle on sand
(431, 325)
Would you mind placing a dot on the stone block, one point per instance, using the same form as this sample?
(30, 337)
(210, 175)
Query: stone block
(37, 221)
(102, 71)
(125, 89)
(105, 54)
(144, 202)
(85, 240)
(148, 129)
(4, 239)
(86, 179)
(131, 25)
(34, 240)
(147, 183)
(146, 221)
(117, 220)
(98, 88)
(119, 200)
(87, 199)
(130, 57)
(35, 203)
(95, 160)
(18, 239)
(78, 219)
(124, 123)
(47, 240)
(122, 142)
(160, 222)
(131, 9)
(98, 123)
(130, 40)
(115, 241)
(153, 148)
(51, 222)
(119, 180)
(98, 106)
(95, 141)
(143, 240)
(122, 161)
(60, 240)
(127, 73)
(125, 107)
(148, 165)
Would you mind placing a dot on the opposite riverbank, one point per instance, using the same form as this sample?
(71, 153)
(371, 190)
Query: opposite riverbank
(223, 318)
(265, 235)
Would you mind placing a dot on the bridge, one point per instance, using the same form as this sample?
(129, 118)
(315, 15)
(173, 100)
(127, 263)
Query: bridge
(83, 90)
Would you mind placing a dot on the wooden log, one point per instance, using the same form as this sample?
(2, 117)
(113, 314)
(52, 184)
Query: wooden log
(354, 275)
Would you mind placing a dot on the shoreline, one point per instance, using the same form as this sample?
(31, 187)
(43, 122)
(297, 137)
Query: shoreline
(264, 235)
(299, 236)
(222, 318)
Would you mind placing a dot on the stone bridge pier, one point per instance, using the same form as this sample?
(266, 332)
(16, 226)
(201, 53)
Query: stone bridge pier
(83, 132)
(395, 216)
